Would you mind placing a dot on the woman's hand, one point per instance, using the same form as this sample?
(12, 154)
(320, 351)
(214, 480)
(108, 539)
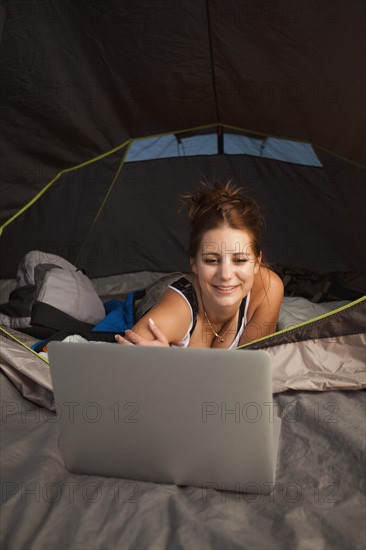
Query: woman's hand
(131, 338)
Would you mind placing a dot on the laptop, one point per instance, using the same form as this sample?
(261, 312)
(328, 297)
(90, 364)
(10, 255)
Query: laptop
(193, 416)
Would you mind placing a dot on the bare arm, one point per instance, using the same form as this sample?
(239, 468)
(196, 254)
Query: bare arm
(171, 318)
(268, 294)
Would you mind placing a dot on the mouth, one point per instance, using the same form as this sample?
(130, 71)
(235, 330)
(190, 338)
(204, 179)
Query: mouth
(225, 289)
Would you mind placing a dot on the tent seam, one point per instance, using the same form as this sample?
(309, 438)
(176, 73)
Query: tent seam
(210, 45)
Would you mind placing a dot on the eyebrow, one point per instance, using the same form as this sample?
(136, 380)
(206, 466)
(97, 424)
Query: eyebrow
(219, 255)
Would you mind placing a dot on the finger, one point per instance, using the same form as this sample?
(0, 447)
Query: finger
(157, 331)
(120, 340)
(133, 337)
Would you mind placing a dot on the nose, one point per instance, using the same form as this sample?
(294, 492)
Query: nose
(226, 269)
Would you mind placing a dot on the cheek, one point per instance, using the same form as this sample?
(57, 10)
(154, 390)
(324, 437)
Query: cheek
(249, 270)
(204, 273)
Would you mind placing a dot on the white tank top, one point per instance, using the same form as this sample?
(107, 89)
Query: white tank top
(186, 290)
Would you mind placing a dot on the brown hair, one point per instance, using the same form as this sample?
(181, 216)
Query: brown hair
(214, 205)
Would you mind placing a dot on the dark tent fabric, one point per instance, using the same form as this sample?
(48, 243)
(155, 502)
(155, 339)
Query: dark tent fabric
(80, 79)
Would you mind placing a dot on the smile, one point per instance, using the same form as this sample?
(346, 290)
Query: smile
(225, 289)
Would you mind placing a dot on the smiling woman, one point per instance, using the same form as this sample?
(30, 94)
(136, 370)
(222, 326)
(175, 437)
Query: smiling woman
(229, 298)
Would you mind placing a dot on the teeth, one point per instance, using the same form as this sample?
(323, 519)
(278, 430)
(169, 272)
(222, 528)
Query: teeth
(225, 287)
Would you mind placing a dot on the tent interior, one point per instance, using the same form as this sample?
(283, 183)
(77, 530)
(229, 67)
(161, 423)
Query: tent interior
(110, 112)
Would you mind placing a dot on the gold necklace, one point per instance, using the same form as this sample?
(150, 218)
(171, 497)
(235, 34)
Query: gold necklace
(218, 336)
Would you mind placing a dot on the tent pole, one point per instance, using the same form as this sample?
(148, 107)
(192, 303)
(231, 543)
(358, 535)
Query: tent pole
(105, 199)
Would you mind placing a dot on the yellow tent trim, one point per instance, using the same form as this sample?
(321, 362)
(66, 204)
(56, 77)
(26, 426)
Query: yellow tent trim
(49, 184)
(289, 329)
(23, 344)
(131, 140)
(105, 198)
(347, 306)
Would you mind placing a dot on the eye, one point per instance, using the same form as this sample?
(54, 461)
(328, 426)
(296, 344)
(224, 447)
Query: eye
(210, 260)
(240, 260)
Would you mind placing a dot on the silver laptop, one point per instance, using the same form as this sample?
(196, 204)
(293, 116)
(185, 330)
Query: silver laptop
(192, 416)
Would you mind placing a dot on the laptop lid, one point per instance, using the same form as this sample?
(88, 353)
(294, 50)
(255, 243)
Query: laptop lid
(190, 416)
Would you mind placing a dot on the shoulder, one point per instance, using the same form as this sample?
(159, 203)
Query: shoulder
(264, 306)
(171, 313)
(176, 298)
(267, 287)
(271, 281)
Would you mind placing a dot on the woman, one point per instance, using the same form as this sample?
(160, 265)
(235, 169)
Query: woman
(229, 299)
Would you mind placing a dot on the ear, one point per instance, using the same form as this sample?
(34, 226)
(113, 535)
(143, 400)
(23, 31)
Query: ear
(193, 265)
(258, 263)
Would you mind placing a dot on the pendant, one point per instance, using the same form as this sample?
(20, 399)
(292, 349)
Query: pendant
(220, 339)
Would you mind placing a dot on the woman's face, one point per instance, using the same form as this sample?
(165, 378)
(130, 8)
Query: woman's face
(225, 266)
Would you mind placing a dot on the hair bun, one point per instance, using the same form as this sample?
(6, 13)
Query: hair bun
(208, 196)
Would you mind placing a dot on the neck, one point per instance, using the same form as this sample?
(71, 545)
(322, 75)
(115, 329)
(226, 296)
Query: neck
(220, 319)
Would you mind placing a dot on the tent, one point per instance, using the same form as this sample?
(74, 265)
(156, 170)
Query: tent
(265, 94)
(110, 110)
